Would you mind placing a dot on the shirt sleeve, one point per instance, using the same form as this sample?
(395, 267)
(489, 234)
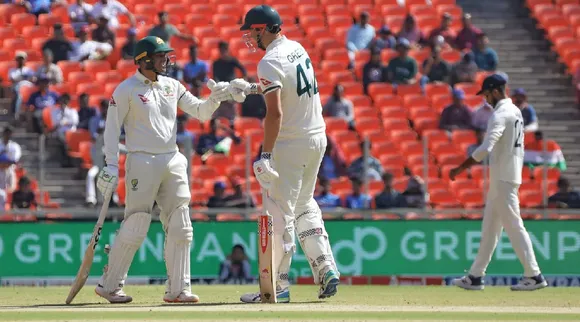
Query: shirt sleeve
(270, 74)
(118, 110)
(495, 129)
(200, 109)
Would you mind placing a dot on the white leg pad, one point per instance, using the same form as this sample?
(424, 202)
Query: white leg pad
(179, 234)
(130, 237)
(284, 245)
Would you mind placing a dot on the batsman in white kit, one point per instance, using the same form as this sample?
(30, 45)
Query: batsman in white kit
(505, 141)
(293, 147)
(145, 104)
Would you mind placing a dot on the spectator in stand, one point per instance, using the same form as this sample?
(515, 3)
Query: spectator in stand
(183, 135)
(8, 148)
(236, 268)
(385, 39)
(7, 179)
(485, 57)
(374, 71)
(415, 194)
(540, 152)
(86, 112)
(389, 197)
(444, 30)
(36, 7)
(84, 48)
(224, 68)
(218, 198)
(103, 33)
(339, 106)
(333, 163)
(64, 118)
(374, 168)
(403, 68)
(80, 14)
(39, 100)
(254, 105)
(457, 115)
(60, 47)
(166, 31)
(528, 113)
(465, 70)
(411, 32)
(566, 197)
(467, 37)
(357, 200)
(359, 36)
(481, 116)
(49, 69)
(196, 70)
(326, 199)
(238, 199)
(19, 76)
(479, 135)
(209, 140)
(129, 46)
(23, 197)
(96, 122)
(435, 69)
(112, 9)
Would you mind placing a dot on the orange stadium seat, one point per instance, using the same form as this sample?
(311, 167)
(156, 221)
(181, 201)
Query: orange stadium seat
(73, 140)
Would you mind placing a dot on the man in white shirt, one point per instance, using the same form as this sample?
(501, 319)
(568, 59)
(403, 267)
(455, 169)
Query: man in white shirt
(112, 9)
(145, 105)
(505, 141)
(80, 14)
(293, 148)
(19, 76)
(481, 116)
(64, 118)
(10, 153)
(84, 48)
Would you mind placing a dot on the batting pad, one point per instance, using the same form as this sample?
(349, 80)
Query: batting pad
(177, 257)
(131, 235)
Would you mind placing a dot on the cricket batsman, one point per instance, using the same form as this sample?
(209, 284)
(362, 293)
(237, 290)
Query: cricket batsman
(505, 141)
(293, 147)
(145, 104)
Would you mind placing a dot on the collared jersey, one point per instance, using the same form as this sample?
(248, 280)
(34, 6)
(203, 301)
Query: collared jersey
(286, 65)
(148, 112)
(505, 141)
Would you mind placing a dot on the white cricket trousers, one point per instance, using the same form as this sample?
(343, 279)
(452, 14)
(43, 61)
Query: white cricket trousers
(502, 210)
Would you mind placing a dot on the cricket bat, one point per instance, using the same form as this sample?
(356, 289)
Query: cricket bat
(85, 268)
(266, 269)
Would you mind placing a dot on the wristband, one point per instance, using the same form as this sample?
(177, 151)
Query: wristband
(266, 156)
(253, 88)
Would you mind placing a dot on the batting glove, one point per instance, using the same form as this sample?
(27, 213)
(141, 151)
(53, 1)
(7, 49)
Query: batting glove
(264, 171)
(108, 179)
(239, 88)
(219, 91)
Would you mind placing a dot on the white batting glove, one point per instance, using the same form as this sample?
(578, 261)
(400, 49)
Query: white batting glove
(240, 88)
(108, 179)
(264, 171)
(219, 91)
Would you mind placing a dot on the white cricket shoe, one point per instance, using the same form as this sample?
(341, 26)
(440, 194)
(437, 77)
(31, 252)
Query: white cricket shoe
(115, 297)
(469, 282)
(183, 297)
(530, 283)
(282, 296)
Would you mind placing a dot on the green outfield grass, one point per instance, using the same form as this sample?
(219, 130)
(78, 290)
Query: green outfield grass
(353, 303)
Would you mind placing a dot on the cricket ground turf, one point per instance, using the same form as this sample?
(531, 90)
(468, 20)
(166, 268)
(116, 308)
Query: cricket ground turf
(352, 303)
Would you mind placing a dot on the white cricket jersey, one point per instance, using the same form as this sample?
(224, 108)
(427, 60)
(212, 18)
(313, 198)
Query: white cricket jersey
(148, 112)
(505, 141)
(286, 65)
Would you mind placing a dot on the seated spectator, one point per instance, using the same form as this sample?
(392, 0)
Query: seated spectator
(479, 135)
(254, 105)
(385, 39)
(10, 149)
(196, 70)
(435, 68)
(457, 115)
(166, 31)
(59, 45)
(374, 71)
(374, 168)
(129, 46)
(239, 199)
(38, 101)
(23, 197)
(84, 48)
(183, 134)
(326, 199)
(236, 267)
(539, 153)
(112, 9)
(96, 124)
(467, 37)
(208, 141)
(485, 57)
(465, 70)
(403, 68)
(357, 200)
(103, 33)
(359, 36)
(19, 76)
(415, 194)
(64, 118)
(339, 106)
(333, 163)
(86, 112)
(35, 7)
(80, 14)
(389, 197)
(411, 32)
(444, 30)
(7, 179)
(48, 69)
(224, 68)
(481, 116)
(528, 112)
(218, 198)
(566, 197)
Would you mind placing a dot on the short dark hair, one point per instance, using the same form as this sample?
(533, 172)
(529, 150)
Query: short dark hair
(8, 129)
(387, 176)
(238, 246)
(223, 45)
(323, 181)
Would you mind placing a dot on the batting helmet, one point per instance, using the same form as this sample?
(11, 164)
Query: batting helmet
(262, 16)
(148, 46)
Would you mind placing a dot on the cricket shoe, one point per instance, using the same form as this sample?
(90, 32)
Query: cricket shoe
(530, 283)
(115, 297)
(329, 284)
(282, 296)
(469, 282)
(183, 297)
